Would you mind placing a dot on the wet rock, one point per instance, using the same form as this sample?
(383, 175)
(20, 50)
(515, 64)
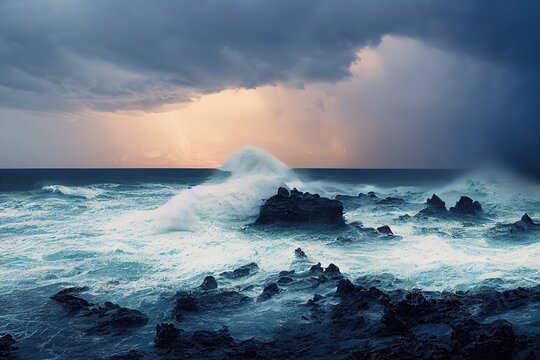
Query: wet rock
(114, 318)
(316, 269)
(332, 271)
(67, 298)
(392, 321)
(192, 302)
(474, 340)
(344, 287)
(268, 292)
(492, 302)
(385, 229)
(300, 208)
(241, 272)
(299, 253)
(166, 335)
(466, 206)
(525, 224)
(130, 355)
(209, 283)
(435, 206)
(391, 201)
(7, 345)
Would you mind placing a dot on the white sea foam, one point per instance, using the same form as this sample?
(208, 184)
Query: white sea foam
(253, 175)
(76, 191)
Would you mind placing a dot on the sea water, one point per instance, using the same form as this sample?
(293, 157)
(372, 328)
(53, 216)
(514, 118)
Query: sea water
(137, 236)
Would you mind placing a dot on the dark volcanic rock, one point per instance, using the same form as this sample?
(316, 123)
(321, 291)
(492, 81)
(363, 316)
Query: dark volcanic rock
(385, 229)
(70, 301)
(300, 208)
(110, 317)
(7, 346)
(332, 271)
(268, 292)
(474, 340)
(209, 283)
(114, 318)
(166, 335)
(242, 271)
(466, 205)
(299, 253)
(525, 224)
(435, 206)
(192, 302)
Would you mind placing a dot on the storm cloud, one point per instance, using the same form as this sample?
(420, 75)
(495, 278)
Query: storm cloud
(136, 54)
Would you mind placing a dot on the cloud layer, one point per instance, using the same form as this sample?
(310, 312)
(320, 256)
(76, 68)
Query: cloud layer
(136, 54)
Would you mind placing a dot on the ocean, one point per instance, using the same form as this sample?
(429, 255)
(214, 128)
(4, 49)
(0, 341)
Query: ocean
(137, 236)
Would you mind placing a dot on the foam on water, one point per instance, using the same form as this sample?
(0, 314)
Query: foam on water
(75, 191)
(253, 175)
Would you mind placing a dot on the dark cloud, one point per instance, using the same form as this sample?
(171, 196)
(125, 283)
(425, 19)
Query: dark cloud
(137, 54)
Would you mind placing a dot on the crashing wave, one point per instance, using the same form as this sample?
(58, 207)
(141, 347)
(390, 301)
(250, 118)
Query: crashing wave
(253, 176)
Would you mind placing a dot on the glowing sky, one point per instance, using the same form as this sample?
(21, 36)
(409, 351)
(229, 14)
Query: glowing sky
(323, 89)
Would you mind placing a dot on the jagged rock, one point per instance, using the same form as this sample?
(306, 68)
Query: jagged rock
(299, 253)
(191, 302)
(466, 205)
(525, 224)
(300, 208)
(474, 340)
(166, 335)
(368, 199)
(434, 206)
(111, 317)
(385, 229)
(392, 321)
(114, 318)
(209, 283)
(7, 345)
(242, 271)
(284, 280)
(70, 301)
(317, 268)
(332, 271)
(268, 292)
(345, 286)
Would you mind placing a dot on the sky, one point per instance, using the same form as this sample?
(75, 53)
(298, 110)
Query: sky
(318, 83)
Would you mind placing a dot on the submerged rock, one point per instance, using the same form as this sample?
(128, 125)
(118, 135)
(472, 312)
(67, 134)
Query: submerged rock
(466, 206)
(192, 302)
(130, 355)
(525, 224)
(110, 317)
(268, 292)
(209, 283)
(299, 253)
(296, 208)
(522, 227)
(435, 206)
(242, 271)
(385, 229)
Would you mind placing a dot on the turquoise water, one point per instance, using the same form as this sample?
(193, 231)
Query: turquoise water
(135, 238)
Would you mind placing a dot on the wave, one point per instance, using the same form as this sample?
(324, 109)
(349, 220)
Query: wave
(252, 176)
(74, 191)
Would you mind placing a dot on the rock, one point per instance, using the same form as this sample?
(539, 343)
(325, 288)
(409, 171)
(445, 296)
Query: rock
(317, 268)
(345, 287)
(435, 206)
(268, 292)
(391, 201)
(209, 283)
(474, 340)
(192, 302)
(385, 229)
(332, 271)
(242, 271)
(392, 321)
(114, 318)
(70, 301)
(466, 206)
(166, 335)
(525, 224)
(284, 280)
(299, 253)
(7, 345)
(300, 208)
(130, 355)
